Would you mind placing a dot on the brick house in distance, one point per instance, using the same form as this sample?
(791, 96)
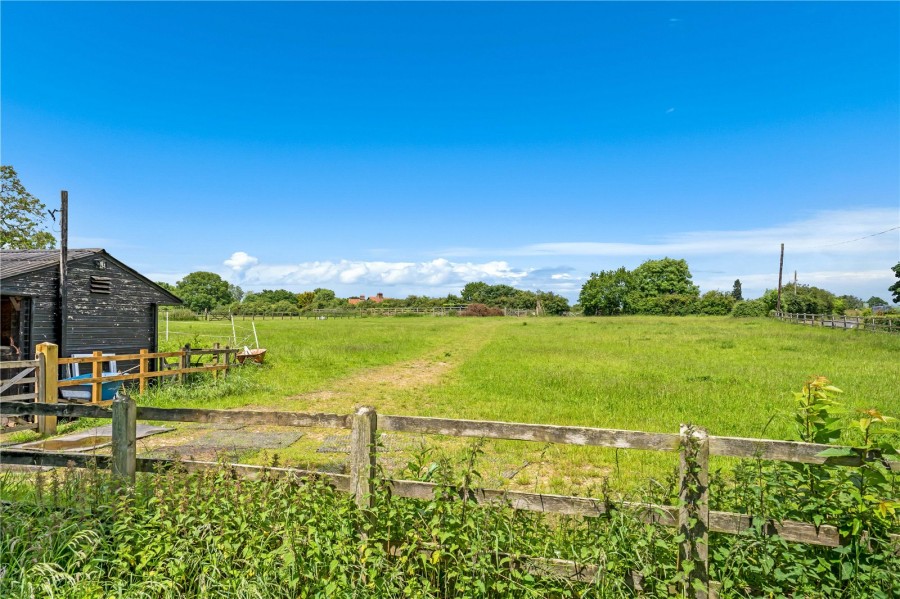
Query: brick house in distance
(377, 299)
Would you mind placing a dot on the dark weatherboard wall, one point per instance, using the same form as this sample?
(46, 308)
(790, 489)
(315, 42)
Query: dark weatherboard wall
(111, 307)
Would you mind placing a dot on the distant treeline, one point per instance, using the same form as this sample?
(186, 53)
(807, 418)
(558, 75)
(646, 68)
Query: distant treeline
(665, 287)
(207, 292)
(661, 287)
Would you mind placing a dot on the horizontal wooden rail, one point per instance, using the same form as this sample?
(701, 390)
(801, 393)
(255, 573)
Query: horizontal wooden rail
(30, 457)
(134, 376)
(124, 357)
(17, 397)
(66, 410)
(244, 417)
(570, 435)
(19, 364)
(789, 451)
(86, 410)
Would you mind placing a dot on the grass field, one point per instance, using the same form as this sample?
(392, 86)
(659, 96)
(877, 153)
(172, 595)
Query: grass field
(732, 376)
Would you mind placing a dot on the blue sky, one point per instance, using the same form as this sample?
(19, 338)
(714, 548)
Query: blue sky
(409, 148)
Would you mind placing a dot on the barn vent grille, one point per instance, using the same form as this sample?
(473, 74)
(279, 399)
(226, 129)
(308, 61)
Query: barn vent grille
(101, 285)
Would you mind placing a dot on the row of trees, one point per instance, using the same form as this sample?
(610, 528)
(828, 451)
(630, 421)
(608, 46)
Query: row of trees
(206, 291)
(666, 287)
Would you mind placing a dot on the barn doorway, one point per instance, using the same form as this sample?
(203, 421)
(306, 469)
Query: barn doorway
(15, 327)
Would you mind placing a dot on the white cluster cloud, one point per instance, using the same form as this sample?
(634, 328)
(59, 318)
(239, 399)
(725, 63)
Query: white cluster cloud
(240, 261)
(844, 251)
(436, 273)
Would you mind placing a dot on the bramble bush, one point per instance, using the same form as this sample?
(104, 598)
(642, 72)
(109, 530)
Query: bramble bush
(481, 310)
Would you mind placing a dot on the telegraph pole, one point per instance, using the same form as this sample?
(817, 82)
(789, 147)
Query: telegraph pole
(780, 269)
(63, 264)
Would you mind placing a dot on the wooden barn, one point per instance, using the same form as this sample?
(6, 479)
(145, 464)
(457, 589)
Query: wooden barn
(108, 306)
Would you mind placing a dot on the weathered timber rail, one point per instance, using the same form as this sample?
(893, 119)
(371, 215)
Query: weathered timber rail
(693, 517)
(886, 324)
(19, 381)
(39, 380)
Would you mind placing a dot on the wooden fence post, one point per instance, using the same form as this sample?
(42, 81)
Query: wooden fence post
(227, 361)
(693, 511)
(124, 438)
(215, 372)
(362, 455)
(185, 361)
(96, 372)
(143, 369)
(48, 356)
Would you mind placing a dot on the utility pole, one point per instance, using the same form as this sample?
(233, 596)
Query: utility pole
(780, 269)
(63, 266)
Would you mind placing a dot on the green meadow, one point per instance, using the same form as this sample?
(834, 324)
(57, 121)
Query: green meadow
(732, 376)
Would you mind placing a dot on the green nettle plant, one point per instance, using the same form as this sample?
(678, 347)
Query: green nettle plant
(860, 501)
(75, 533)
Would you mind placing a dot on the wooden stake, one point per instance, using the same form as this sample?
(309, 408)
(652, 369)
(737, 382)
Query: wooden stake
(97, 372)
(693, 511)
(362, 456)
(143, 369)
(48, 356)
(780, 269)
(124, 439)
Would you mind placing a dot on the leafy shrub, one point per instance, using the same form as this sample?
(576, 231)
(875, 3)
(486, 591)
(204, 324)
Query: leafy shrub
(749, 308)
(861, 502)
(716, 303)
(481, 310)
(670, 304)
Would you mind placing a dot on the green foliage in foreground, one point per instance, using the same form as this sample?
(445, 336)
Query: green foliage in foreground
(213, 534)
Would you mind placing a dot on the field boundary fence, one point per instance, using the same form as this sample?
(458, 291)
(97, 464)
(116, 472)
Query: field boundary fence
(692, 517)
(885, 324)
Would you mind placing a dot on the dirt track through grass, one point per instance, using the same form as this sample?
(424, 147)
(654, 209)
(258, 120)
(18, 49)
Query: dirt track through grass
(733, 376)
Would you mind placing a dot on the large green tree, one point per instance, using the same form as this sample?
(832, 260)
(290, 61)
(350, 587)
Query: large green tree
(606, 293)
(21, 215)
(663, 287)
(203, 291)
(895, 288)
(737, 292)
(876, 301)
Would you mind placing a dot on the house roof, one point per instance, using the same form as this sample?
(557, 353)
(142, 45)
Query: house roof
(18, 262)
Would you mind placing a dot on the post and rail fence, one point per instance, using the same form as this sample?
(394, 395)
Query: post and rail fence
(885, 324)
(692, 516)
(39, 380)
